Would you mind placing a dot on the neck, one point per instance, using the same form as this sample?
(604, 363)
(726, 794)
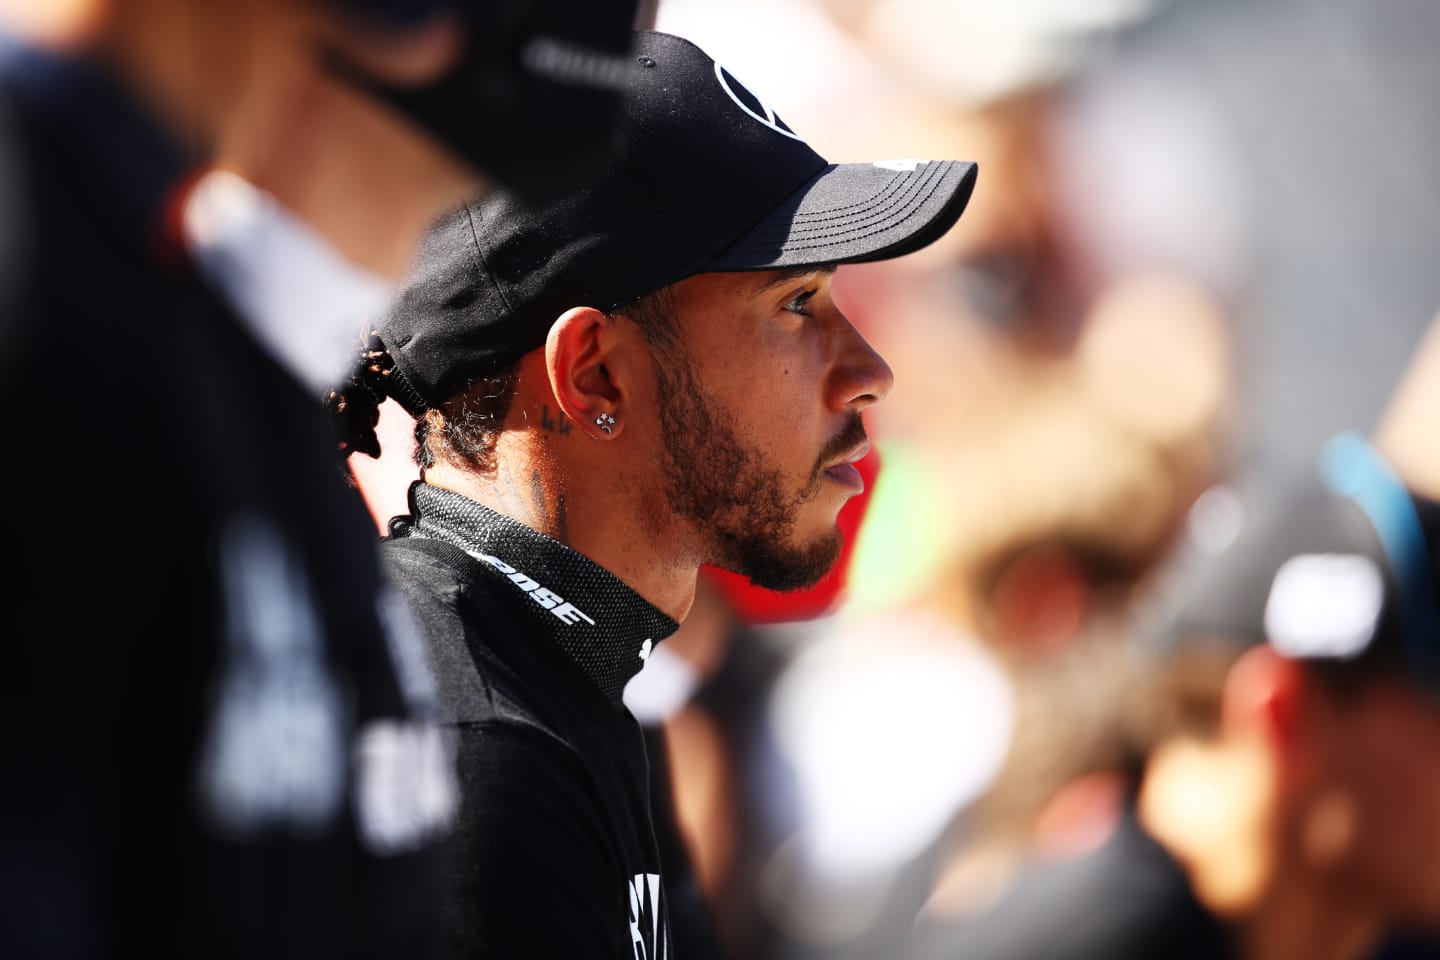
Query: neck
(1215, 810)
(357, 172)
(186, 61)
(604, 522)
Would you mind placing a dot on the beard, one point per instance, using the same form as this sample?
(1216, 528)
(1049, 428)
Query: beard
(731, 495)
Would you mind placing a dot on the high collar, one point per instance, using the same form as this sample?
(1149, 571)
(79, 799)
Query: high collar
(607, 628)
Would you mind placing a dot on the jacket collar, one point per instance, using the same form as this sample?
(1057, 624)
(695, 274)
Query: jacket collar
(607, 628)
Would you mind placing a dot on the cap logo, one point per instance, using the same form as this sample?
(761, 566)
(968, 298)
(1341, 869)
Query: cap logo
(757, 109)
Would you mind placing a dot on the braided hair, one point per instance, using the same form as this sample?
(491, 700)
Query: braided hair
(465, 426)
(355, 405)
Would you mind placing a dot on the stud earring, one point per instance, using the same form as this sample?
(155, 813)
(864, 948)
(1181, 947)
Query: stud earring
(605, 422)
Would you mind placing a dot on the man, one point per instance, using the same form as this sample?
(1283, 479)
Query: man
(1289, 805)
(218, 731)
(611, 390)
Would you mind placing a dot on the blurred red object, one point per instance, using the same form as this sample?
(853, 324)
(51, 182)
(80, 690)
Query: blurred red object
(756, 605)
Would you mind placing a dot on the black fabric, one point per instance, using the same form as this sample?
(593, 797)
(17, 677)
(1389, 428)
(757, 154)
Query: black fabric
(699, 165)
(691, 918)
(183, 553)
(555, 853)
(603, 625)
(532, 101)
(1129, 900)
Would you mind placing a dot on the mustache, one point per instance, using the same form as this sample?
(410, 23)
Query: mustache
(850, 436)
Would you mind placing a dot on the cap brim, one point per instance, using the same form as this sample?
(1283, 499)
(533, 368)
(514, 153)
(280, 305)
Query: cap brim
(856, 212)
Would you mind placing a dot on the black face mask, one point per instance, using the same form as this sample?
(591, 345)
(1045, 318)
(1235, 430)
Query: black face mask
(531, 103)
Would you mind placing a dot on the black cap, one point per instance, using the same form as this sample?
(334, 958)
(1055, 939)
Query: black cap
(703, 177)
(531, 102)
(1340, 566)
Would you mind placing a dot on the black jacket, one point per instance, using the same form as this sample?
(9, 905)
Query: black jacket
(554, 854)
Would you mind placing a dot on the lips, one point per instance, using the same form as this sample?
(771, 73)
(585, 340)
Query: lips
(846, 475)
(845, 472)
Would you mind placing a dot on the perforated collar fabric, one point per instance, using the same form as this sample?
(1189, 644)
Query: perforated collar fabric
(607, 628)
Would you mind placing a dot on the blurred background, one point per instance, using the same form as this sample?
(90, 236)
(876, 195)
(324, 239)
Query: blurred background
(1203, 242)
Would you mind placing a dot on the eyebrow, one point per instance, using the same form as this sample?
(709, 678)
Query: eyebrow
(790, 273)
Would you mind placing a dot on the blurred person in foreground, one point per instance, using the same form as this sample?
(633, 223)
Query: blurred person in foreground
(612, 390)
(219, 728)
(1289, 802)
(325, 178)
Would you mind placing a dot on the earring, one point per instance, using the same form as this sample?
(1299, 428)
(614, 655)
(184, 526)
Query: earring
(605, 422)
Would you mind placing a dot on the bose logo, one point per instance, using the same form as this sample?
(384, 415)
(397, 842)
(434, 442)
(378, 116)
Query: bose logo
(556, 604)
(756, 108)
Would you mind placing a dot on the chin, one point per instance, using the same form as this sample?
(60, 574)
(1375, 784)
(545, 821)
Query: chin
(786, 567)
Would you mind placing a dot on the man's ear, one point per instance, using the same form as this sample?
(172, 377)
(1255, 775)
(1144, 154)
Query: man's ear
(579, 360)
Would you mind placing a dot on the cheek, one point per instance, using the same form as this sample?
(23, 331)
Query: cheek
(781, 398)
(769, 418)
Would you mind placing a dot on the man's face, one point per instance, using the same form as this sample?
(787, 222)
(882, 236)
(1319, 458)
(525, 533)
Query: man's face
(1388, 756)
(759, 406)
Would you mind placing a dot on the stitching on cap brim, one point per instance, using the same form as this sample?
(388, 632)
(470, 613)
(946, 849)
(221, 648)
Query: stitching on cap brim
(901, 195)
(891, 209)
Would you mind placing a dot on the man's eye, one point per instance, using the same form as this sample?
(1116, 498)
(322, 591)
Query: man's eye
(801, 304)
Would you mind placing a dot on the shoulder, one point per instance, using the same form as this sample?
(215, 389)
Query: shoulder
(489, 661)
(425, 561)
(438, 574)
(442, 586)
(432, 576)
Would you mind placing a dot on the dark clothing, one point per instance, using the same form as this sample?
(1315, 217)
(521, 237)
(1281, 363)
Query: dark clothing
(1410, 946)
(1129, 900)
(692, 922)
(554, 854)
(212, 717)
